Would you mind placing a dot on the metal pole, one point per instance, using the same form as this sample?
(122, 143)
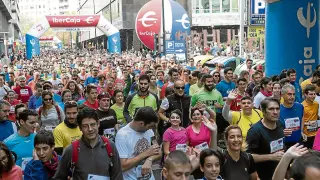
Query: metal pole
(241, 35)
(163, 30)
(5, 44)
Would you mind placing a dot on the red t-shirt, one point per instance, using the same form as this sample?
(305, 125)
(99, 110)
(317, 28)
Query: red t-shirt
(24, 93)
(235, 104)
(94, 106)
(12, 115)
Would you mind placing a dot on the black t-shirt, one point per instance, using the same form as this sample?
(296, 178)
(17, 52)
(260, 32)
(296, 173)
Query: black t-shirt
(240, 169)
(262, 140)
(108, 120)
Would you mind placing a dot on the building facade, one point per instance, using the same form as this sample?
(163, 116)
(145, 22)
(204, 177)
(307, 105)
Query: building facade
(9, 25)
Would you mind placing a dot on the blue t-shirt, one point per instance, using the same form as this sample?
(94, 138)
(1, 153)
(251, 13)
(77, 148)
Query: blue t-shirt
(298, 91)
(7, 128)
(224, 87)
(191, 68)
(22, 146)
(91, 80)
(292, 118)
(160, 83)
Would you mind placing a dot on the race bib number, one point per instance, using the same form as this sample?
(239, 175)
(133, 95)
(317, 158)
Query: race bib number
(12, 109)
(181, 147)
(292, 123)
(276, 145)
(139, 174)
(110, 131)
(25, 162)
(202, 146)
(96, 177)
(313, 127)
(24, 92)
(49, 128)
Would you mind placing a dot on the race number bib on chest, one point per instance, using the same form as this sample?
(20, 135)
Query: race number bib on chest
(202, 146)
(110, 131)
(96, 177)
(181, 147)
(313, 126)
(12, 109)
(292, 123)
(276, 145)
(49, 128)
(24, 92)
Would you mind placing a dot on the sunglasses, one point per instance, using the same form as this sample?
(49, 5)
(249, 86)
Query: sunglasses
(47, 99)
(179, 87)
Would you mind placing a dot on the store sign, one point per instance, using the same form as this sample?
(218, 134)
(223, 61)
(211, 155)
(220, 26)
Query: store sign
(258, 12)
(256, 32)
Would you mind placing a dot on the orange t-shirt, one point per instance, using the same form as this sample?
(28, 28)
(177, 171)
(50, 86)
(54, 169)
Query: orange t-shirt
(15, 173)
(310, 114)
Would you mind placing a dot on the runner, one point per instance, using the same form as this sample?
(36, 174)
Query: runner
(134, 143)
(22, 141)
(68, 130)
(7, 127)
(95, 158)
(45, 160)
(265, 139)
(140, 99)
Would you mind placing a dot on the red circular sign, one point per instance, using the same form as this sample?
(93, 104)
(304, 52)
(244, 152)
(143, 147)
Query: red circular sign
(148, 22)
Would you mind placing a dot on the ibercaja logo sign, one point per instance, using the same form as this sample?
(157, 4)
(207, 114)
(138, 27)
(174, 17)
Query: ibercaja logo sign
(149, 21)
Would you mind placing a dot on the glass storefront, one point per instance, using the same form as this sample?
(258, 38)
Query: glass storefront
(215, 6)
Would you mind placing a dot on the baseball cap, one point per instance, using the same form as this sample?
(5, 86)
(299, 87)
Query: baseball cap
(103, 95)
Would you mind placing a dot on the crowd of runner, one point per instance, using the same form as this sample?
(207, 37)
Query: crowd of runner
(98, 116)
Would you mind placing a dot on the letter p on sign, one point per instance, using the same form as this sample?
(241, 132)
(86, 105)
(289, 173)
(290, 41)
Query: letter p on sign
(170, 45)
(259, 6)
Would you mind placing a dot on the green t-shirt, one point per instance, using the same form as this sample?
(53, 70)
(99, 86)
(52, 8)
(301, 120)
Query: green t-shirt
(208, 98)
(119, 112)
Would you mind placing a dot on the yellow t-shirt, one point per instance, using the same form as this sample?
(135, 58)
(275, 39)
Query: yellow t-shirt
(305, 83)
(64, 136)
(194, 89)
(245, 122)
(310, 114)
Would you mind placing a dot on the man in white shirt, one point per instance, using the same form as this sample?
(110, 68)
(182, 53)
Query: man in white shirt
(134, 144)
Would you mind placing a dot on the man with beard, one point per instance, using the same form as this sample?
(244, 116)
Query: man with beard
(140, 99)
(212, 98)
(7, 127)
(178, 100)
(68, 130)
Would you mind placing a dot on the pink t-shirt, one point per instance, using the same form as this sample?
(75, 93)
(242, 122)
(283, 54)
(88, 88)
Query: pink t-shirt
(175, 137)
(195, 138)
(15, 173)
(316, 143)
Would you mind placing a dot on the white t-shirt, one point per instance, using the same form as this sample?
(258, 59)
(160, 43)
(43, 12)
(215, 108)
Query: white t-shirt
(131, 143)
(258, 99)
(55, 83)
(3, 91)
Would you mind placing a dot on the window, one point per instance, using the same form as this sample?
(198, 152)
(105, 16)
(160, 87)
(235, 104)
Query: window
(225, 5)
(195, 5)
(235, 6)
(216, 6)
(205, 6)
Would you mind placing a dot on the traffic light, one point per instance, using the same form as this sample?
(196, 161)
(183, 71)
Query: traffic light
(156, 42)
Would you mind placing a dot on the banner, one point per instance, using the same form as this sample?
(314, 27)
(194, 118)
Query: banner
(292, 37)
(256, 32)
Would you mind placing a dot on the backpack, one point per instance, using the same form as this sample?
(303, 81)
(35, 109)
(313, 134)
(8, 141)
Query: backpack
(57, 109)
(250, 121)
(76, 150)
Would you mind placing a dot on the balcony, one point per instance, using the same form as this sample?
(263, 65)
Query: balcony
(5, 7)
(15, 7)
